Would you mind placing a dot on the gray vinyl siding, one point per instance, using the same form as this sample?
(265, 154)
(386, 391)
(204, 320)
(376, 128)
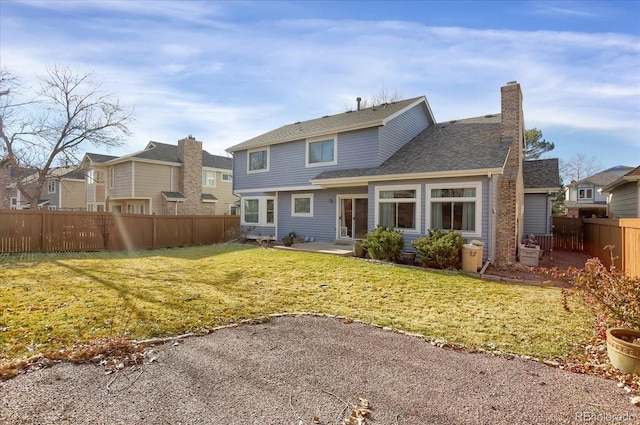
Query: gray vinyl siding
(287, 162)
(401, 130)
(624, 201)
(424, 208)
(536, 214)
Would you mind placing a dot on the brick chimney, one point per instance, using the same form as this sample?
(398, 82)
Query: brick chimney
(190, 184)
(510, 207)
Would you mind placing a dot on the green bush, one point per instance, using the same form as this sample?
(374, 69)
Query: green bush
(441, 248)
(384, 243)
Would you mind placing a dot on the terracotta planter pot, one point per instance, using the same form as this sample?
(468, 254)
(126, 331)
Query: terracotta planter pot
(624, 355)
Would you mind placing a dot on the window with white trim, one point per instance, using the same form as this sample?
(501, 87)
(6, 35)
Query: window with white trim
(227, 177)
(398, 207)
(52, 208)
(585, 193)
(455, 207)
(260, 211)
(258, 160)
(302, 205)
(51, 187)
(321, 151)
(208, 178)
(112, 177)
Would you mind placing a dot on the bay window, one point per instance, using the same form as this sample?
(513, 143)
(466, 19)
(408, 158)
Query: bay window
(260, 211)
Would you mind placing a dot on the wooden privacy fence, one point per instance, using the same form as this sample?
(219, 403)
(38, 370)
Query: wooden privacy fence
(52, 231)
(622, 233)
(568, 234)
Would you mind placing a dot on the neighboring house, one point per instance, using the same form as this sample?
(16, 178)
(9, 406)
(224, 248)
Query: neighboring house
(584, 197)
(64, 189)
(161, 179)
(340, 176)
(541, 187)
(623, 197)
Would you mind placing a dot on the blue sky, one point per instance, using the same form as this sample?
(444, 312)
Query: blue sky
(228, 71)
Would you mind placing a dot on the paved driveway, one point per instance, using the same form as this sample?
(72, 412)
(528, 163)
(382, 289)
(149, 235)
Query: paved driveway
(294, 369)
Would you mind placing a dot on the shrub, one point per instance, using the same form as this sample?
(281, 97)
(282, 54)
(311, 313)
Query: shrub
(613, 296)
(440, 247)
(384, 243)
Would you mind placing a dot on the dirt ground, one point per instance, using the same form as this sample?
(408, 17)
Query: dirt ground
(519, 272)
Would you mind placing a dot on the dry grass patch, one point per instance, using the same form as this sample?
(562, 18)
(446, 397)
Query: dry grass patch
(50, 302)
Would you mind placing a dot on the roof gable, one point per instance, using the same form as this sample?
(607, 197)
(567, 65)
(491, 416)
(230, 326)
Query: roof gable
(351, 120)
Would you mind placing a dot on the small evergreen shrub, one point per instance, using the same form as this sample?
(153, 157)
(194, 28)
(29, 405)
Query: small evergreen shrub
(384, 243)
(440, 248)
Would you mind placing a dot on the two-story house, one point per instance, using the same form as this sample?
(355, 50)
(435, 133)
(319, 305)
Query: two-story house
(584, 198)
(162, 179)
(64, 189)
(337, 177)
(623, 195)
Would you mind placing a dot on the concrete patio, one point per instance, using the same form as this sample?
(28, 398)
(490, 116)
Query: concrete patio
(321, 247)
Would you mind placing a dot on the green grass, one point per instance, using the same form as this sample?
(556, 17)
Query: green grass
(50, 302)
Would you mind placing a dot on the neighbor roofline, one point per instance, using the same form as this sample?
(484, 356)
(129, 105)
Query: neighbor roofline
(547, 190)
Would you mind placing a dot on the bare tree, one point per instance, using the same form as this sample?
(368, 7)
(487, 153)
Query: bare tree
(68, 111)
(382, 97)
(578, 168)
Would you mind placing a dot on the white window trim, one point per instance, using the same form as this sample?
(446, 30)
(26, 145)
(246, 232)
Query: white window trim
(204, 172)
(585, 189)
(416, 200)
(262, 211)
(333, 137)
(457, 185)
(49, 184)
(262, 170)
(112, 177)
(229, 177)
(301, 196)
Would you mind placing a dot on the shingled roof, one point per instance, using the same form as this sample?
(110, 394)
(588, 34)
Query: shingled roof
(99, 158)
(165, 152)
(606, 177)
(460, 145)
(541, 174)
(346, 121)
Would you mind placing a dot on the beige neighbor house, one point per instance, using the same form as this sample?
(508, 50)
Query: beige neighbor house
(161, 179)
(64, 189)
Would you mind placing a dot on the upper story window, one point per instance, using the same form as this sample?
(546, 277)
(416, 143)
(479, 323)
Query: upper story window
(455, 207)
(227, 177)
(398, 207)
(302, 205)
(112, 177)
(208, 178)
(51, 187)
(321, 152)
(585, 193)
(96, 176)
(258, 161)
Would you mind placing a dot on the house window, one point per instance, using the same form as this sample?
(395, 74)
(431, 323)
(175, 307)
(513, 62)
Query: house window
(13, 202)
(258, 161)
(585, 193)
(398, 207)
(455, 207)
(321, 152)
(302, 205)
(51, 207)
(96, 176)
(259, 211)
(112, 178)
(233, 210)
(209, 178)
(226, 177)
(51, 187)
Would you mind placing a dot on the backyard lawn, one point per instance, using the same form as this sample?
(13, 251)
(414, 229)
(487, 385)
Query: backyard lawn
(50, 302)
